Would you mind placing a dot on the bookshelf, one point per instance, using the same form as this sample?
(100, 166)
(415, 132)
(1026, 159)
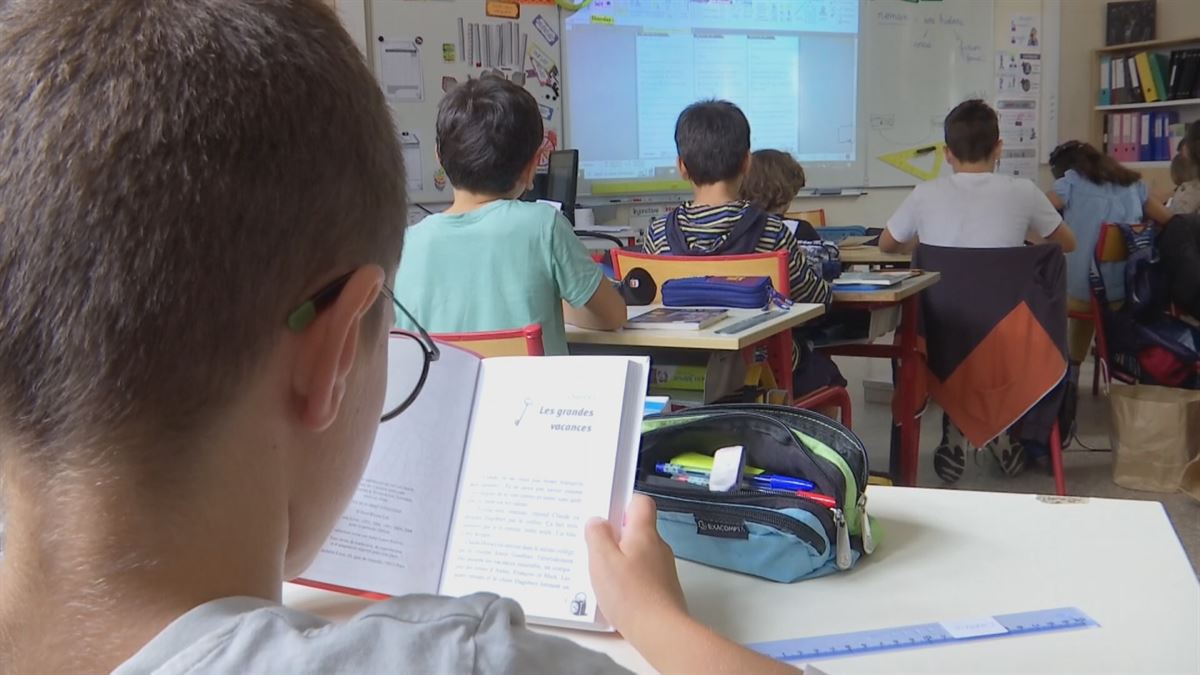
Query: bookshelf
(1180, 103)
(1189, 108)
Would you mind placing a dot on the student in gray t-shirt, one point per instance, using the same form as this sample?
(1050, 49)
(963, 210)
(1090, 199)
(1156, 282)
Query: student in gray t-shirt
(202, 208)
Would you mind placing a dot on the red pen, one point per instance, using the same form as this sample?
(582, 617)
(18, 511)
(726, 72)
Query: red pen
(823, 500)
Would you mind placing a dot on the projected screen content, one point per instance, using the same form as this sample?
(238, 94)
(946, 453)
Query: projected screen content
(634, 65)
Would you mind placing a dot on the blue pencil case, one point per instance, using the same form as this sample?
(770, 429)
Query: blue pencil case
(714, 291)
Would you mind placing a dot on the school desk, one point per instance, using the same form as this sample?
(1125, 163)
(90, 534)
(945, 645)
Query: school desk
(777, 330)
(903, 465)
(946, 555)
(872, 256)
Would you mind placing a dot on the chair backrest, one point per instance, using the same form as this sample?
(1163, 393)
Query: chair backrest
(816, 217)
(1110, 245)
(995, 328)
(663, 268)
(525, 341)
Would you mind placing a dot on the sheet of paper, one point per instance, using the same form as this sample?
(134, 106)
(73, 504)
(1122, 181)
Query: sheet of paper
(410, 151)
(392, 537)
(540, 462)
(1018, 123)
(400, 70)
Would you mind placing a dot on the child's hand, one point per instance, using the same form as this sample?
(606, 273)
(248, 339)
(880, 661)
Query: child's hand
(635, 580)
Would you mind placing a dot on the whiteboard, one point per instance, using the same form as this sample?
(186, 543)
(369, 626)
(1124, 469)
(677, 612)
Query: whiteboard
(917, 60)
(921, 60)
(413, 45)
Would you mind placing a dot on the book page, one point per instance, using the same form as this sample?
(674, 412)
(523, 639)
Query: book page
(392, 537)
(539, 463)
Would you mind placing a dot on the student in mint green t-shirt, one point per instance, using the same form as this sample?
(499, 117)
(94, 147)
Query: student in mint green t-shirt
(490, 262)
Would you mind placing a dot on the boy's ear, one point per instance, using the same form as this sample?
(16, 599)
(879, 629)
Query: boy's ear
(683, 172)
(328, 347)
(746, 163)
(950, 158)
(997, 151)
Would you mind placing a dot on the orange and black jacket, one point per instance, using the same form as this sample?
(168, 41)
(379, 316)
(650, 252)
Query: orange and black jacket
(995, 331)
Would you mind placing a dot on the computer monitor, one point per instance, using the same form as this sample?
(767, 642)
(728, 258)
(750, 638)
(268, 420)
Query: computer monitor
(562, 180)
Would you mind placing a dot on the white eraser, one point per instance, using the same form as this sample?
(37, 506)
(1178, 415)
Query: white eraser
(726, 469)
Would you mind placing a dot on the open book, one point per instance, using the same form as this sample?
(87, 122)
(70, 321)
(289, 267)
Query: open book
(486, 481)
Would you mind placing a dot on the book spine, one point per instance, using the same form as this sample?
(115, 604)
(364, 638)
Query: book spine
(684, 378)
(1105, 80)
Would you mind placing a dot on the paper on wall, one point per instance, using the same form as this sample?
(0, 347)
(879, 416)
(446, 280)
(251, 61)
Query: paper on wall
(1018, 123)
(1018, 74)
(410, 151)
(400, 70)
(1018, 163)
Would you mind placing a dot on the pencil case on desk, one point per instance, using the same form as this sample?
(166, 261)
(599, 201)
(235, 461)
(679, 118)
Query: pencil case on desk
(715, 291)
(773, 535)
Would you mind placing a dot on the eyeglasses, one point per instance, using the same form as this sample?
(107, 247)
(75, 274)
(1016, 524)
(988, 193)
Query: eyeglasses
(405, 350)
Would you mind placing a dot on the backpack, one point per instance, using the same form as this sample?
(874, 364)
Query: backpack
(824, 257)
(1144, 342)
(1146, 289)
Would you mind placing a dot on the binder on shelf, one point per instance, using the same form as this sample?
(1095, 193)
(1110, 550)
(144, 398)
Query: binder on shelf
(1145, 137)
(1119, 94)
(1158, 68)
(1136, 95)
(1110, 135)
(1166, 145)
(1130, 153)
(1145, 77)
(1189, 68)
(1173, 74)
(1133, 131)
(1105, 80)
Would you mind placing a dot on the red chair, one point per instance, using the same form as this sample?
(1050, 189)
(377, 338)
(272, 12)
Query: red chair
(525, 341)
(1108, 250)
(774, 265)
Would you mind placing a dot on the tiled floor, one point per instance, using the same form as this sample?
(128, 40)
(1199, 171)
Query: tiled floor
(1088, 473)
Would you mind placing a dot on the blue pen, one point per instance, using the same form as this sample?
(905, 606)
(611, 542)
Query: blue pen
(777, 482)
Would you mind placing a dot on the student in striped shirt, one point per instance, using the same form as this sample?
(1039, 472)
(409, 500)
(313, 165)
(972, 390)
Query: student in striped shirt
(713, 142)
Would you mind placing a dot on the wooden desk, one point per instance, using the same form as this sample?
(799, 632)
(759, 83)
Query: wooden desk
(871, 255)
(947, 554)
(776, 331)
(904, 458)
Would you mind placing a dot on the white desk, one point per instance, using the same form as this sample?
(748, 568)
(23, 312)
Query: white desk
(698, 339)
(948, 554)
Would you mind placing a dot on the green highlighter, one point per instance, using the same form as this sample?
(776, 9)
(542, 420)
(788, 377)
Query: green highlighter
(695, 460)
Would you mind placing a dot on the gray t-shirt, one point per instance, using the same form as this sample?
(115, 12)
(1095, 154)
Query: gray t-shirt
(478, 633)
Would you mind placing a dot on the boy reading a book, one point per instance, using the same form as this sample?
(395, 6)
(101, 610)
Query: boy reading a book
(201, 206)
(491, 262)
(713, 142)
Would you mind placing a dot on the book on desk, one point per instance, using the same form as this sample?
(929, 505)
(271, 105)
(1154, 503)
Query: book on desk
(485, 483)
(675, 318)
(872, 279)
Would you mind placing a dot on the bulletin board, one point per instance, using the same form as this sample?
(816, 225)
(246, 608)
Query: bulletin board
(418, 49)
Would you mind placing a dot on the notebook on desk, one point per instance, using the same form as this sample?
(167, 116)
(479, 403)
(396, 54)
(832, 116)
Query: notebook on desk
(871, 280)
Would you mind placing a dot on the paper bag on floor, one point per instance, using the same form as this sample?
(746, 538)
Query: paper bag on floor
(1191, 480)
(1156, 433)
